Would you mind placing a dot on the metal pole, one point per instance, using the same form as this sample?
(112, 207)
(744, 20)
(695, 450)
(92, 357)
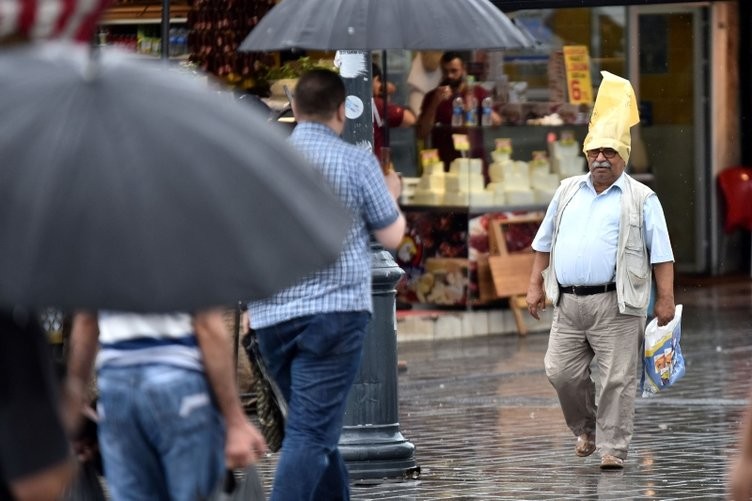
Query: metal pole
(165, 42)
(371, 443)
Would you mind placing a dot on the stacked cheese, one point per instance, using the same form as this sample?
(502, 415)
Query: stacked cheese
(502, 162)
(430, 188)
(517, 183)
(565, 156)
(542, 180)
(464, 183)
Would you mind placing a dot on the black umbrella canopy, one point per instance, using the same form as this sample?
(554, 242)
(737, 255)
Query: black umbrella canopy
(383, 25)
(138, 188)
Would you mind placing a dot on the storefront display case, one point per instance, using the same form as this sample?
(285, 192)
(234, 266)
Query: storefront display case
(446, 245)
(445, 253)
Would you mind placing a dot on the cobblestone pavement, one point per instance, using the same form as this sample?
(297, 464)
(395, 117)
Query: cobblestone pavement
(487, 425)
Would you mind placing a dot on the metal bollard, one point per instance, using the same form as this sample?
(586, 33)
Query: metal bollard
(371, 443)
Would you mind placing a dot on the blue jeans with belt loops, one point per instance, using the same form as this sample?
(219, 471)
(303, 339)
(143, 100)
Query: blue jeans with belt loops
(160, 433)
(314, 360)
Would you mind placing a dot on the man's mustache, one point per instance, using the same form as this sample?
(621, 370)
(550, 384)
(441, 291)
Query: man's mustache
(605, 164)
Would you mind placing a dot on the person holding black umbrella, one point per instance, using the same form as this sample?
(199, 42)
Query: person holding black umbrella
(311, 334)
(36, 462)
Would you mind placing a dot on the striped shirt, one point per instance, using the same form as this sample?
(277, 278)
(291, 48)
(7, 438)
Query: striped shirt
(127, 339)
(356, 178)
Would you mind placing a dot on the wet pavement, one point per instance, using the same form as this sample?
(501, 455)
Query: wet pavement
(486, 423)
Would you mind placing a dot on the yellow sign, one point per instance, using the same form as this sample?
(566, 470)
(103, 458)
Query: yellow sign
(428, 157)
(461, 142)
(577, 67)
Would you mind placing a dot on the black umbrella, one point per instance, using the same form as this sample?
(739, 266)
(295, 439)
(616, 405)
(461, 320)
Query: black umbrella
(384, 24)
(135, 187)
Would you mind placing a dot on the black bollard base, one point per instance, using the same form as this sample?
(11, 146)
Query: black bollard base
(378, 452)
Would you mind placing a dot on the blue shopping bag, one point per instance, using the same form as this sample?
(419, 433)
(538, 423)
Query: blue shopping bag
(663, 361)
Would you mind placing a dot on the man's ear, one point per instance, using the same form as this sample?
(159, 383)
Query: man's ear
(341, 112)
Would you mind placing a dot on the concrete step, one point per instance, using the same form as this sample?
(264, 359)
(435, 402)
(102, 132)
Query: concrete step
(428, 325)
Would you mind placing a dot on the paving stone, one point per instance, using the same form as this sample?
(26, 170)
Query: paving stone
(486, 423)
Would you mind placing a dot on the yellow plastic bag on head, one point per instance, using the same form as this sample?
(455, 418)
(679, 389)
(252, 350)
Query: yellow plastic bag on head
(614, 113)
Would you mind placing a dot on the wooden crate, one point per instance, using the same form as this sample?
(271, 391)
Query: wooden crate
(510, 271)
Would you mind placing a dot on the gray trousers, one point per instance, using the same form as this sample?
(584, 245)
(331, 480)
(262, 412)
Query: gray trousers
(585, 327)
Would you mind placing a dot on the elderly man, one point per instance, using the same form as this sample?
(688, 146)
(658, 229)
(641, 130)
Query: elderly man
(602, 234)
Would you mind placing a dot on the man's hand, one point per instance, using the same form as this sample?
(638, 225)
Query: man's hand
(664, 310)
(393, 183)
(536, 300)
(244, 445)
(536, 295)
(664, 292)
(443, 93)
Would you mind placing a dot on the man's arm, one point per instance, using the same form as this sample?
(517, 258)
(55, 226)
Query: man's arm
(84, 343)
(408, 118)
(664, 292)
(243, 442)
(495, 118)
(536, 295)
(391, 236)
(44, 485)
(427, 116)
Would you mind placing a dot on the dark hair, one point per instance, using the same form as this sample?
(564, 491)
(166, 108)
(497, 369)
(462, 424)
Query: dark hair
(319, 93)
(375, 71)
(450, 56)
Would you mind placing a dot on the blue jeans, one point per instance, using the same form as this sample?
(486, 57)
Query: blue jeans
(314, 360)
(160, 433)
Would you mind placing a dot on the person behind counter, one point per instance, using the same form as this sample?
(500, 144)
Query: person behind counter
(395, 116)
(437, 109)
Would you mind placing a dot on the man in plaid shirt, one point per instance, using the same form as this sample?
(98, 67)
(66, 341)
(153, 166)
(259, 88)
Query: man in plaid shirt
(311, 334)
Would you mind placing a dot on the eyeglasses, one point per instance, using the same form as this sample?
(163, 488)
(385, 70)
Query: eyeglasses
(607, 152)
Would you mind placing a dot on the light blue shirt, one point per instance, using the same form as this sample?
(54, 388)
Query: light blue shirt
(586, 244)
(357, 180)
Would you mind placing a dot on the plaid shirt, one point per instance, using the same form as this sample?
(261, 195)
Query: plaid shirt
(357, 180)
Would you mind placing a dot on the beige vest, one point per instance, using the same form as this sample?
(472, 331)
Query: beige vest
(633, 270)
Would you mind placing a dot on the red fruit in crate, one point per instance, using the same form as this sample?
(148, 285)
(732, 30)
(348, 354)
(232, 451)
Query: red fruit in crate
(479, 243)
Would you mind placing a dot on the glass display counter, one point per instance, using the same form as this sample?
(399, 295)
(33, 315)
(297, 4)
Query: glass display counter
(445, 248)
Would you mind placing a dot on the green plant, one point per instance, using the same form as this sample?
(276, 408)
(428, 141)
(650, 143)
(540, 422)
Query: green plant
(293, 69)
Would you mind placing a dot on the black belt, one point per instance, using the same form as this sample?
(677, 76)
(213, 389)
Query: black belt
(587, 290)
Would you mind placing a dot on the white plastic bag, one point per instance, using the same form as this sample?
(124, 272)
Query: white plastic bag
(663, 362)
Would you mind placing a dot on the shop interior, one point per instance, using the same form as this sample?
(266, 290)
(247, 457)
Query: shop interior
(543, 94)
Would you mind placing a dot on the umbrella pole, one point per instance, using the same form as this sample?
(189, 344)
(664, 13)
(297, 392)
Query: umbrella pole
(165, 45)
(385, 93)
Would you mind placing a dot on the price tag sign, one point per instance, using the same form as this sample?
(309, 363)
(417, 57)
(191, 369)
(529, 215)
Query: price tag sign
(428, 157)
(577, 67)
(461, 142)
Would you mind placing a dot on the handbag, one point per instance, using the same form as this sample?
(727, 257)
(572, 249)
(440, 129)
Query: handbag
(271, 408)
(86, 485)
(241, 485)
